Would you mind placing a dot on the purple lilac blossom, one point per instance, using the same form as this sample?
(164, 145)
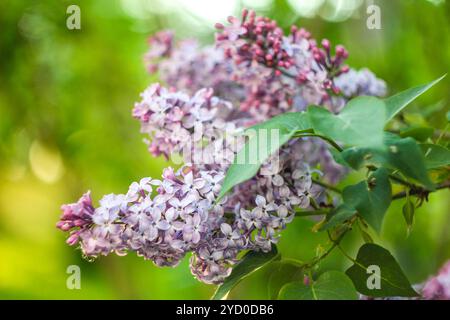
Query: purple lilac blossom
(214, 93)
(177, 122)
(181, 217)
(438, 287)
(360, 82)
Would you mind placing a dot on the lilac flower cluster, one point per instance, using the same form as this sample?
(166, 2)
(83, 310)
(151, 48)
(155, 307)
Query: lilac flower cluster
(160, 47)
(162, 228)
(438, 287)
(179, 123)
(259, 39)
(253, 73)
(276, 68)
(262, 71)
(181, 217)
(188, 66)
(363, 82)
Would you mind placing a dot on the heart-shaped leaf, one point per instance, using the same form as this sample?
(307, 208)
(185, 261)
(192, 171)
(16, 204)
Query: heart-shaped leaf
(376, 273)
(360, 123)
(331, 285)
(251, 262)
(404, 155)
(370, 197)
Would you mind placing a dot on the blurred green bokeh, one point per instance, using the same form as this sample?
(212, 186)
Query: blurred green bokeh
(66, 126)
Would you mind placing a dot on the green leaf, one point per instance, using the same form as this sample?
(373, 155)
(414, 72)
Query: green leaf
(251, 262)
(408, 213)
(360, 123)
(264, 140)
(337, 156)
(388, 282)
(337, 216)
(371, 198)
(398, 102)
(282, 272)
(419, 133)
(435, 155)
(415, 119)
(285, 122)
(331, 285)
(404, 155)
(430, 110)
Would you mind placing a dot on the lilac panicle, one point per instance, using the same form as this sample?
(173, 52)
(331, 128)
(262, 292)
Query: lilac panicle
(213, 94)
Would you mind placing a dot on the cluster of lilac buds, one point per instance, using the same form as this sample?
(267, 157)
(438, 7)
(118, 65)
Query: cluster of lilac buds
(254, 39)
(259, 40)
(298, 72)
(76, 217)
(213, 95)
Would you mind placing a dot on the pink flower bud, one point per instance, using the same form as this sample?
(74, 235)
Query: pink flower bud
(345, 69)
(219, 26)
(73, 239)
(244, 14)
(341, 52)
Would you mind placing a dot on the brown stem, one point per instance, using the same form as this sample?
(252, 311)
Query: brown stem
(419, 191)
(401, 181)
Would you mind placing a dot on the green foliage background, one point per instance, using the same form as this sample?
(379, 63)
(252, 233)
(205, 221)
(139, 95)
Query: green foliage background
(66, 126)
